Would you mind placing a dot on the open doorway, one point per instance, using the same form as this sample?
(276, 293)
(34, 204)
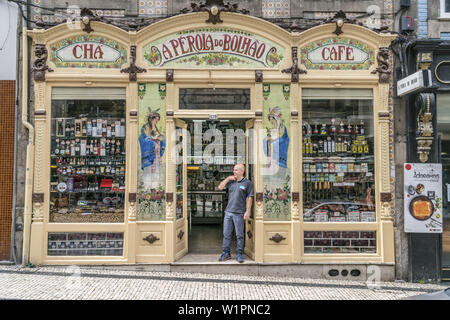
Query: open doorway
(222, 146)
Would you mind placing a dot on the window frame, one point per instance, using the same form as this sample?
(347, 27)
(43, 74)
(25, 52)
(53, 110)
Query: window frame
(443, 13)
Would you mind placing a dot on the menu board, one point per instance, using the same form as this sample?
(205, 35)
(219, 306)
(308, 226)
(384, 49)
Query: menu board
(423, 197)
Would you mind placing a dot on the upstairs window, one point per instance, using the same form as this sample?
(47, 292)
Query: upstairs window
(445, 8)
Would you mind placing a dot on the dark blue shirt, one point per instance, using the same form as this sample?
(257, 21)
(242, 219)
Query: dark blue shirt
(238, 192)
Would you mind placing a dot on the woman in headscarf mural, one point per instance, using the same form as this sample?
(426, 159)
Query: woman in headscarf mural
(276, 180)
(152, 144)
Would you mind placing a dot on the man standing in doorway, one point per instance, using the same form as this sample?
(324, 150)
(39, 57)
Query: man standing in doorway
(240, 199)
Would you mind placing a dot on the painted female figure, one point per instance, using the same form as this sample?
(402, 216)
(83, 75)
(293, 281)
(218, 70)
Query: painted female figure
(152, 144)
(276, 145)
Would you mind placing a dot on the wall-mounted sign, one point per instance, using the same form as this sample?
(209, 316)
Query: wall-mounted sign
(416, 81)
(423, 197)
(213, 47)
(337, 54)
(88, 52)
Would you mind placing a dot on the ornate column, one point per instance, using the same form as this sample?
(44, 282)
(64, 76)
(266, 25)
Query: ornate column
(131, 147)
(296, 161)
(40, 196)
(258, 188)
(170, 176)
(386, 237)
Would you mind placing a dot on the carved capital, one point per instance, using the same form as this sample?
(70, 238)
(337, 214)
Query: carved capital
(40, 63)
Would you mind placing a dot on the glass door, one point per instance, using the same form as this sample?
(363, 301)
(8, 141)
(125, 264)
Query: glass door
(181, 225)
(250, 158)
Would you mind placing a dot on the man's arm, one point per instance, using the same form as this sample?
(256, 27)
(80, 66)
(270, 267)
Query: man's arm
(249, 208)
(223, 184)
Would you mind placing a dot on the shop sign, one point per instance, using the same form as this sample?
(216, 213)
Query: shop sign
(414, 82)
(210, 47)
(423, 197)
(337, 54)
(88, 52)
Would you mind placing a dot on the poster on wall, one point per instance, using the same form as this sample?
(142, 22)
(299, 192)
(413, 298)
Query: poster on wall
(151, 154)
(276, 153)
(423, 197)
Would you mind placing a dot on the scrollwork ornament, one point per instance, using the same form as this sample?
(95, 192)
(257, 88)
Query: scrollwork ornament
(40, 63)
(384, 68)
(133, 69)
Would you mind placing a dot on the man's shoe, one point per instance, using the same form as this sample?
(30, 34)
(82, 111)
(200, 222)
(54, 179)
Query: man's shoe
(225, 256)
(239, 258)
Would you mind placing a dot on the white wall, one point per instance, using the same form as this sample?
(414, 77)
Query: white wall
(8, 40)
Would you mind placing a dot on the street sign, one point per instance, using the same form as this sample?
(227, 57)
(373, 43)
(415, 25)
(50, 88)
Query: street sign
(414, 82)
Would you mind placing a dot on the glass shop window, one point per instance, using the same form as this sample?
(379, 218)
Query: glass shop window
(87, 175)
(338, 155)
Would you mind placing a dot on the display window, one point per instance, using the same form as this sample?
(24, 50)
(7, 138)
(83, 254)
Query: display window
(338, 155)
(88, 131)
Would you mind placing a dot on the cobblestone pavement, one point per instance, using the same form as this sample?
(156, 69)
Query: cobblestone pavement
(99, 283)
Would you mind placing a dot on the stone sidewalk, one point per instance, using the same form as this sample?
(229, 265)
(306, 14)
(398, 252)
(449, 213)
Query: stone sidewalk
(107, 283)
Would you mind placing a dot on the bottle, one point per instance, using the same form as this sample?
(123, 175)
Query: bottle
(108, 147)
(320, 150)
(304, 145)
(325, 145)
(341, 128)
(349, 129)
(77, 128)
(57, 146)
(60, 128)
(89, 128)
(118, 147)
(122, 127)
(356, 131)
(333, 127)
(84, 130)
(108, 131)
(77, 147)
(113, 129)
(333, 145)
(361, 127)
(323, 129)
(103, 128)
(94, 127)
(329, 144)
(67, 129)
(67, 148)
(315, 131)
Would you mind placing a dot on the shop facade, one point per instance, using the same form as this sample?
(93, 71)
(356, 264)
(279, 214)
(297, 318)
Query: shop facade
(427, 140)
(134, 130)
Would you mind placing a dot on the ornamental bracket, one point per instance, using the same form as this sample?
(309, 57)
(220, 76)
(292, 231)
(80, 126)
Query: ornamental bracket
(384, 68)
(214, 9)
(294, 70)
(133, 69)
(339, 19)
(40, 64)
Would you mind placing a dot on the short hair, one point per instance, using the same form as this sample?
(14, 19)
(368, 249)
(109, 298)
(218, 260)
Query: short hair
(241, 166)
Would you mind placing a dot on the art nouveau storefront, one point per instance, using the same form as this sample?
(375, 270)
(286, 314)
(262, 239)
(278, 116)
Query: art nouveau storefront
(117, 176)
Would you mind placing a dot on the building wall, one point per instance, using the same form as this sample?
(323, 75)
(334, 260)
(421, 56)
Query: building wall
(7, 106)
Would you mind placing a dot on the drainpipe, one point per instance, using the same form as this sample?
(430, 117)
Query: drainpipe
(28, 207)
(16, 123)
